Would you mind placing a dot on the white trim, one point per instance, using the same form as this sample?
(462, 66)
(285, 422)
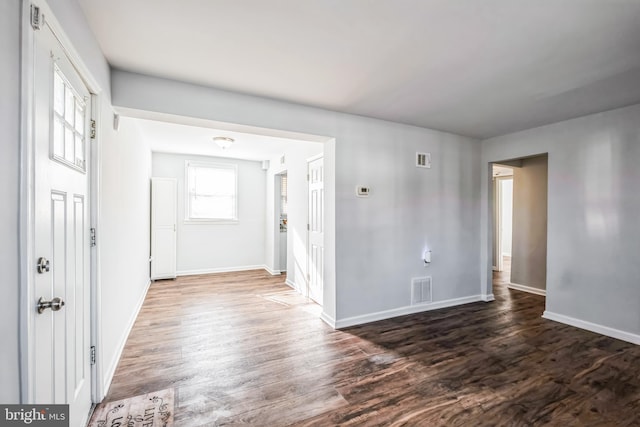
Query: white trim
(272, 272)
(108, 377)
(487, 297)
(593, 327)
(98, 392)
(403, 311)
(219, 270)
(291, 284)
(529, 289)
(328, 320)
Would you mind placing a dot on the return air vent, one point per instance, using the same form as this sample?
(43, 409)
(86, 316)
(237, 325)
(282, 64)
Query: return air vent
(423, 160)
(420, 290)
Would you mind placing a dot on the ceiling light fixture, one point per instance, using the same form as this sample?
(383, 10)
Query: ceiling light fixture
(223, 141)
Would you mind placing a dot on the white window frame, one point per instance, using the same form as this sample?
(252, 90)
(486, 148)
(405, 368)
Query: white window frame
(187, 205)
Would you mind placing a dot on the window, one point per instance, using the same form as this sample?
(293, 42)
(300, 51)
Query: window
(69, 115)
(211, 192)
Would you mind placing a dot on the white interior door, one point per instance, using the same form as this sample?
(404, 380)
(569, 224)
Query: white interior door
(164, 193)
(316, 229)
(498, 264)
(60, 340)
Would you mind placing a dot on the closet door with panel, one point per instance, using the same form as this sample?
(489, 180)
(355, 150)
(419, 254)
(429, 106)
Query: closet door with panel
(164, 212)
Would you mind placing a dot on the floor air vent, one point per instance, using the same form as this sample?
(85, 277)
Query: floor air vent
(420, 290)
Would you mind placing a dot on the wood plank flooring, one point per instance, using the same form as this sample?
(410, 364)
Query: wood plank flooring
(244, 349)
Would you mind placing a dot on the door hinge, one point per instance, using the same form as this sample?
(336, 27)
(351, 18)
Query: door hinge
(308, 178)
(92, 354)
(36, 18)
(308, 228)
(92, 132)
(92, 237)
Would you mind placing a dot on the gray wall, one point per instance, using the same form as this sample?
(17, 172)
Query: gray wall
(529, 242)
(593, 237)
(10, 178)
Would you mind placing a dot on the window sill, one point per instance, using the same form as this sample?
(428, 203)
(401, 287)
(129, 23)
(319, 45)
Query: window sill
(211, 222)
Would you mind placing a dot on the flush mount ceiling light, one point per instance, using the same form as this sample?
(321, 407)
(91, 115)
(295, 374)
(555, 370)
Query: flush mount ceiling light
(223, 141)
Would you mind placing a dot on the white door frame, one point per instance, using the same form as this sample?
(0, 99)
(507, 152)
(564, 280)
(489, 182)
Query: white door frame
(27, 198)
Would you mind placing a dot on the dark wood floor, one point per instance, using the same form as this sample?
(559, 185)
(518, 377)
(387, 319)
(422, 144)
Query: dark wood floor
(243, 349)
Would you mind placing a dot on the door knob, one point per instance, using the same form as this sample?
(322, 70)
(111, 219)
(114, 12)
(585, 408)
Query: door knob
(55, 304)
(43, 265)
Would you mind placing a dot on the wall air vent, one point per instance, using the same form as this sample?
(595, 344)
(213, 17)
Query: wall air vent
(420, 290)
(423, 160)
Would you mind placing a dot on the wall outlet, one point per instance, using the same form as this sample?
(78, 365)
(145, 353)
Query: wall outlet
(362, 191)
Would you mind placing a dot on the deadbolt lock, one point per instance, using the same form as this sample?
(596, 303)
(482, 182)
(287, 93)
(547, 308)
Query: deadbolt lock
(43, 265)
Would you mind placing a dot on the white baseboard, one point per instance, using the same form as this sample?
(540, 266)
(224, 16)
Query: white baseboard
(487, 297)
(220, 270)
(111, 370)
(291, 284)
(272, 272)
(328, 319)
(402, 311)
(525, 288)
(593, 327)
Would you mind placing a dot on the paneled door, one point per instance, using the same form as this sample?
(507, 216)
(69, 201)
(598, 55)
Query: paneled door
(60, 307)
(316, 229)
(164, 194)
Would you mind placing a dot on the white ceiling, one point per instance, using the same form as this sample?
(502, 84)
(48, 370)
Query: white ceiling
(477, 68)
(168, 137)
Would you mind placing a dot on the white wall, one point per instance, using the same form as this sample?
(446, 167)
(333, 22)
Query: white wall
(298, 211)
(123, 235)
(205, 248)
(9, 191)
(593, 236)
(378, 241)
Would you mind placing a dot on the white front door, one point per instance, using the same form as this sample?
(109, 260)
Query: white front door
(60, 341)
(316, 229)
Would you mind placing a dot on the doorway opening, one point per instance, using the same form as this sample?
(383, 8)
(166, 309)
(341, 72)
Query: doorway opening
(520, 224)
(502, 218)
(280, 214)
